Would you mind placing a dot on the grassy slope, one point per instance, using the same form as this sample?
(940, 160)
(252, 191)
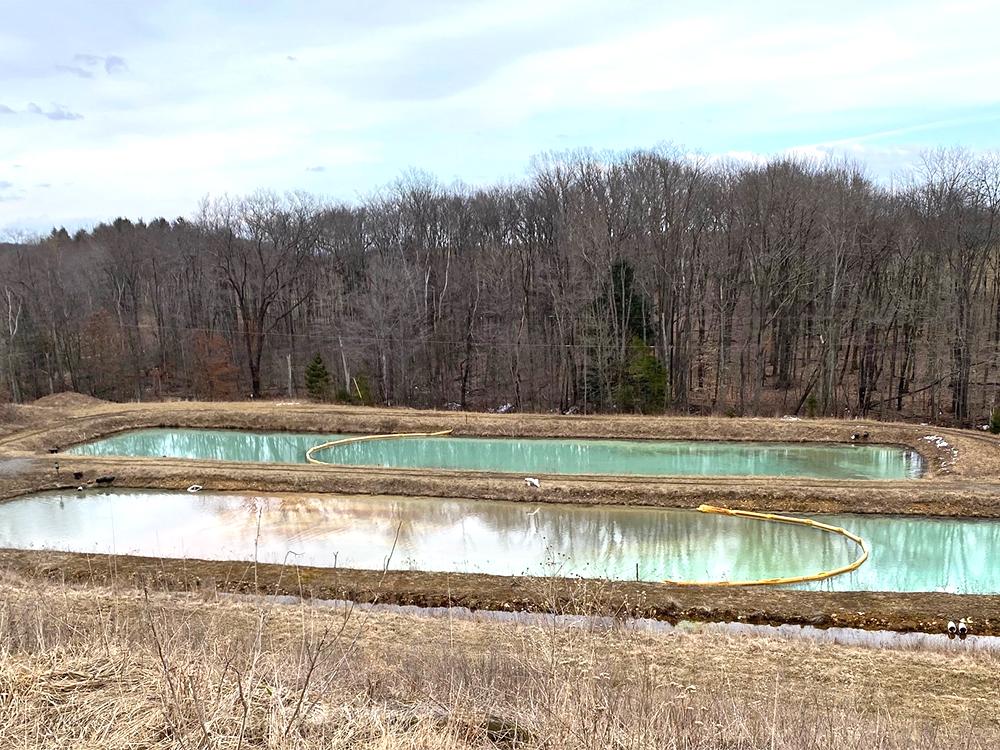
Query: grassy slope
(96, 667)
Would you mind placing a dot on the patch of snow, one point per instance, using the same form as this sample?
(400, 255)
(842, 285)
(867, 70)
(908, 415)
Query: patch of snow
(939, 441)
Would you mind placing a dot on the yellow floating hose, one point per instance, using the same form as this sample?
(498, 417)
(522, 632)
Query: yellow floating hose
(364, 438)
(783, 519)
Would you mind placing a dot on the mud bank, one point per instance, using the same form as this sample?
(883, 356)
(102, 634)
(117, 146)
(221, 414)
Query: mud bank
(912, 612)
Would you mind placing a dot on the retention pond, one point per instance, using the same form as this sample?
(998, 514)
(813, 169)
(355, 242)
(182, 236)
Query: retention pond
(527, 456)
(505, 538)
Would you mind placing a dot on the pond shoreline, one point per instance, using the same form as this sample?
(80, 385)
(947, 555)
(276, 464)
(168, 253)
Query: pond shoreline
(900, 612)
(600, 457)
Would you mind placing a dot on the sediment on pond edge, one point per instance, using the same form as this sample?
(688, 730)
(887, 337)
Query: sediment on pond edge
(904, 612)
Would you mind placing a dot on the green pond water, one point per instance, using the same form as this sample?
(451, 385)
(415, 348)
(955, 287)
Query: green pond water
(527, 456)
(506, 538)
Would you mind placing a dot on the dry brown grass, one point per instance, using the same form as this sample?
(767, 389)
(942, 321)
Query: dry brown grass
(17, 417)
(98, 667)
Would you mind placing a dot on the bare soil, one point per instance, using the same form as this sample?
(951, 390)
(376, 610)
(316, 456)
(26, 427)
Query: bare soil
(901, 612)
(68, 400)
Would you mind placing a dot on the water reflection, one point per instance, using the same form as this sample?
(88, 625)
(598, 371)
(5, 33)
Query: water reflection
(562, 456)
(218, 445)
(874, 639)
(908, 554)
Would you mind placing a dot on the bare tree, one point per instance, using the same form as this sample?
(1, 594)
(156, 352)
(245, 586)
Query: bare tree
(264, 247)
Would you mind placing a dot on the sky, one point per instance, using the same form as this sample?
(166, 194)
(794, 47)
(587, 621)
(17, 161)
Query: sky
(140, 109)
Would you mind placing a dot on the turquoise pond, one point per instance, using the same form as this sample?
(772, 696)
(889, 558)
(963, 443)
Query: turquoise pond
(506, 538)
(528, 456)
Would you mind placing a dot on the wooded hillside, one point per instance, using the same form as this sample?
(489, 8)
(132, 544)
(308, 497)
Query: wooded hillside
(647, 282)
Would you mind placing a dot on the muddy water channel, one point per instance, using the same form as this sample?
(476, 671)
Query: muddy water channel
(505, 538)
(528, 456)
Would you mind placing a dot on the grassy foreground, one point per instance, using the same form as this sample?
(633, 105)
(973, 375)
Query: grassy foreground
(99, 667)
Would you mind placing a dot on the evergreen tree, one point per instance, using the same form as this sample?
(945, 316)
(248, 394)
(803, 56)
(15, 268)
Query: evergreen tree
(644, 383)
(621, 370)
(623, 305)
(317, 379)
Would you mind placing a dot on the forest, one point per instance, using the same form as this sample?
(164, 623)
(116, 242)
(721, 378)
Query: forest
(644, 282)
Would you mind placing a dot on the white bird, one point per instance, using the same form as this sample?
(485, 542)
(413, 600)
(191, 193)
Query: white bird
(532, 482)
(952, 628)
(963, 629)
(194, 488)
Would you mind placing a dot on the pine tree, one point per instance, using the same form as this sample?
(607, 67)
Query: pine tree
(644, 383)
(317, 379)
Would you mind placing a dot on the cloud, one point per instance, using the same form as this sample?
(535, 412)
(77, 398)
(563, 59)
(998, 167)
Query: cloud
(75, 70)
(5, 110)
(12, 196)
(464, 90)
(57, 112)
(114, 64)
(111, 63)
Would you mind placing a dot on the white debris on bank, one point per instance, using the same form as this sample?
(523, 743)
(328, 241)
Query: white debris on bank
(790, 418)
(940, 442)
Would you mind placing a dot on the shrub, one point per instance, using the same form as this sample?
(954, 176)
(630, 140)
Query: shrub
(812, 407)
(317, 379)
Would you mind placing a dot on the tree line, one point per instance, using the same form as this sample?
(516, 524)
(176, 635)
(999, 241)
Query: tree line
(644, 282)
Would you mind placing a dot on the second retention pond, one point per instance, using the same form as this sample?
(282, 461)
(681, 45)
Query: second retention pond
(527, 456)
